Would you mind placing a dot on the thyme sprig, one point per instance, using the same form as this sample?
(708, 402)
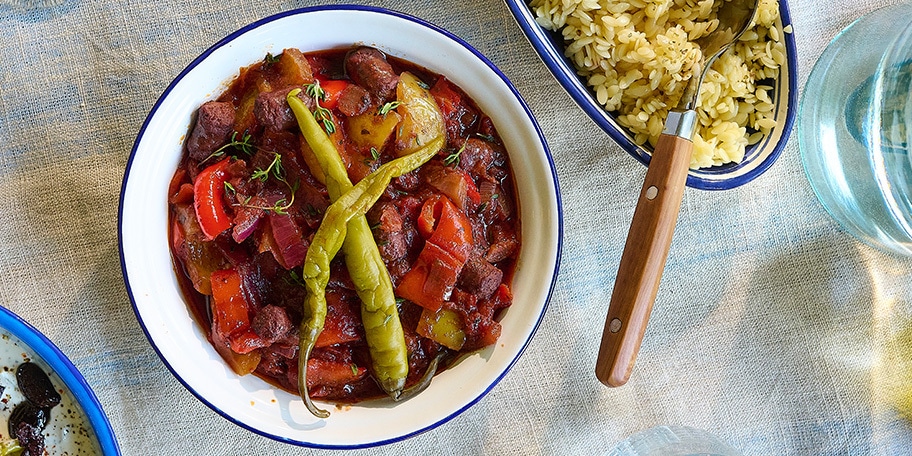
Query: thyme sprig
(321, 113)
(453, 159)
(276, 171)
(244, 145)
(487, 138)
(387, 107)
(280, 207)
(294, 278)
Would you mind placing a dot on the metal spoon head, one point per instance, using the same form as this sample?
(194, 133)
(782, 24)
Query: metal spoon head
(735, 16)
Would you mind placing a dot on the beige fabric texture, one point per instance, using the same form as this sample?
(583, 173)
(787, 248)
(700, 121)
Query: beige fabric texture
(771, 329)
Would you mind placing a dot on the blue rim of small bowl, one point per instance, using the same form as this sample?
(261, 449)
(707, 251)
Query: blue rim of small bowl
(64, 368)
(549, 46)
(252, 26)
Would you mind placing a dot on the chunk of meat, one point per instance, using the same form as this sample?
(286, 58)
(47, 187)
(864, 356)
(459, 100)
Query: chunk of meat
(504, 243)
(369, 68)
(271, 323)
(354, 100)
(198, 257)
(214, 123)
(391, 236)
(477, 156)
(480, 277)
(272, 111)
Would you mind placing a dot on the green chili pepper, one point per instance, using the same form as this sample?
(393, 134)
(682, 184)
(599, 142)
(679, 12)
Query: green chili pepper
(326, 243)
(382, 327)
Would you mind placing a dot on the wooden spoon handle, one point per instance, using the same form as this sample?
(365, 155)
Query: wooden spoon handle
(643, 259)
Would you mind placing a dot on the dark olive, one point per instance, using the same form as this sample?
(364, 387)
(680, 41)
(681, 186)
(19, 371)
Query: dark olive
(36, 386)
(30, 414)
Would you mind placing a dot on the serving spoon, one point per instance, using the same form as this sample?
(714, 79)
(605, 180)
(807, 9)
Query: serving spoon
(656, 213)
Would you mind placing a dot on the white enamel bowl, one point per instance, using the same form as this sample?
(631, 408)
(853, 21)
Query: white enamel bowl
(150, 275)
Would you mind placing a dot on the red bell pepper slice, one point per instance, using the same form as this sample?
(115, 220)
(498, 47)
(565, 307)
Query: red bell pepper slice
(332, 88)
(440, 222)
(471, 189)
(431, 279)
(231, 313)
(427, 216)
(453, 232)
(332, 373)
(449, 241)
(457, 113)
(343, 321)
(209, 199)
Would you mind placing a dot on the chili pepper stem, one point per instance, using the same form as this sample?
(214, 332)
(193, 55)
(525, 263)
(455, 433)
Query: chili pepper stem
(425, 379)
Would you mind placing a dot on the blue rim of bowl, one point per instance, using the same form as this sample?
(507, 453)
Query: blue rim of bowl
(64, 368)
(549, 47)
(227, 40)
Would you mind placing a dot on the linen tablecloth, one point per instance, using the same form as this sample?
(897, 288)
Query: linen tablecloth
(773, 328)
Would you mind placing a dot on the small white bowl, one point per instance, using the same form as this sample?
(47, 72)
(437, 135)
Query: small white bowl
(150, 274)
(22, 339)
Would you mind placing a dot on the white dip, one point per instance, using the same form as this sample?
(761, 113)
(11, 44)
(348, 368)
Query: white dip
(68, 431)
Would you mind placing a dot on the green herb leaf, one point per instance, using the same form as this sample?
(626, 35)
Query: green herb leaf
(281, 206)
(244, 145)
(274, 169)
(325, 117)
(294, 279)
(315, 91)
(453, 159)
(387, 107)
